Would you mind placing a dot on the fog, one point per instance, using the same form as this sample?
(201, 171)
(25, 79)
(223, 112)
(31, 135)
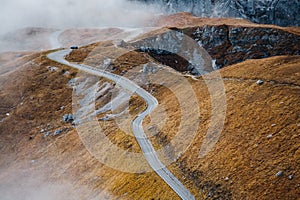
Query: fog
(28, 185)
(72, 13)
(62, 14)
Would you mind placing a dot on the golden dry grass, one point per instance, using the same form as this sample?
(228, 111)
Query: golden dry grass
(33, 95)
(244, 154)
(62, 158)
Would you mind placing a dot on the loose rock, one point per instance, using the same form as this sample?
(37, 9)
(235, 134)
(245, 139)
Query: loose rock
(57, 132)
(106, 118)
(68, 118)
(280, 173)
(270, 136)
(260, 82)
(291, 176)
(52, 69)
(47, 134)
(67, 73)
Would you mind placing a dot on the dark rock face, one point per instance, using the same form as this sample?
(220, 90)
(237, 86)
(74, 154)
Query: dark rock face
(225, 44)
(279, 12)
(175, 49)
(230, 45)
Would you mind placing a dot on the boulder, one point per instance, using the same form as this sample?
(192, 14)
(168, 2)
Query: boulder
(68, 118)
(57, 132)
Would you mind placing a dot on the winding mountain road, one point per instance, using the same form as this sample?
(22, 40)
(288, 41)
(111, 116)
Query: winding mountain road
(145, 145)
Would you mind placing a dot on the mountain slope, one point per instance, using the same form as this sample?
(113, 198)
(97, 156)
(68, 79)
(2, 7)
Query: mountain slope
(279, 12)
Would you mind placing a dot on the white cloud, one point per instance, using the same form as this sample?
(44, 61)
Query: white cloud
(72, 13)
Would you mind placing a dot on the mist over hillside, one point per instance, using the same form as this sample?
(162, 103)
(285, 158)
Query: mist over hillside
(75, 13)
(16, 16)
(57, 14)
(121, 100)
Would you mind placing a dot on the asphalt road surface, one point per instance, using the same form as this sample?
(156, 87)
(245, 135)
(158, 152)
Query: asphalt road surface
(146, 146)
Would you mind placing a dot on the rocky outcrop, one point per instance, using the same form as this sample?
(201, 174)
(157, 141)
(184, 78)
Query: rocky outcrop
(175, 49)
(279, 12)
(232, 44)
(226, 45)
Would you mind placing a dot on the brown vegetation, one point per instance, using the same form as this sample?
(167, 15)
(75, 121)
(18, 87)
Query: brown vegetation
(260, 136)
